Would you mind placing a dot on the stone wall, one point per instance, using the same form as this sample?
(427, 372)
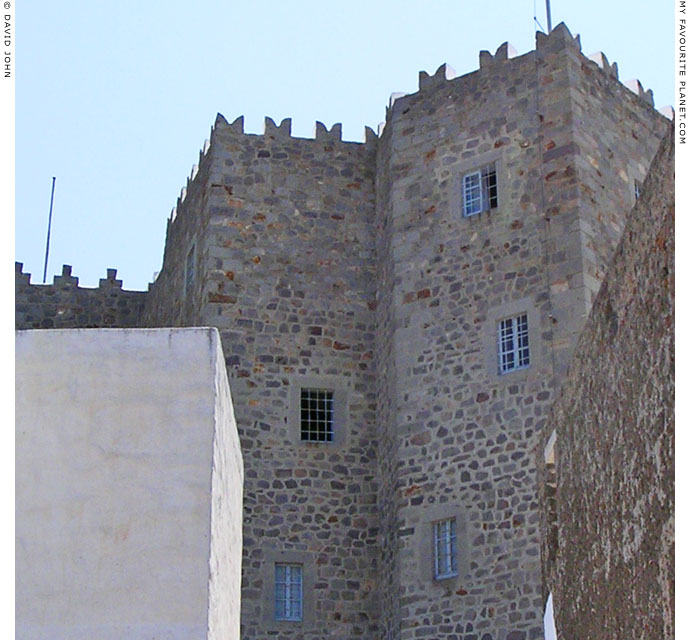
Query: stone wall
(128, 486)
(461, 431)
(291, 287)
(175, 298)
(457, 437)
(608, 527)
(618, 134)
(64, 304)
(350, 266)
(284, 232)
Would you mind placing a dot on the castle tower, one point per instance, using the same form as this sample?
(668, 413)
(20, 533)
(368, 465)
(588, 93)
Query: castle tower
(273, 244)
(501, 196)
(396, 317)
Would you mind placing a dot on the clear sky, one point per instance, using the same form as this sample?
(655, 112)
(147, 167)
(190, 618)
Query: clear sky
(115, 99)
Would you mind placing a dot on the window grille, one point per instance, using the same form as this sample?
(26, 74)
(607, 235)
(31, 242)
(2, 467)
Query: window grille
(445, 549)
(479, 191)
(288, 593)
(316, 415)
(513, 344)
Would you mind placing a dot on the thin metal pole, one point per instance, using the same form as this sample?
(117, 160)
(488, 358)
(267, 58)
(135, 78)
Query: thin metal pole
(50, 218)
(548, 15)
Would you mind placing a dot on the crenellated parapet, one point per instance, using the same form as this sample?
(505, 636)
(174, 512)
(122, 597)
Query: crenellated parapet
(283, 131)
(558, 39)
(505, 52)
(600, 59)
(272, 132)
(64, 304)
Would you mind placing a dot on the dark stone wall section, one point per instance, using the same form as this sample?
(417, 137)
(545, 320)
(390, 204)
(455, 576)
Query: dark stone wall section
(65, 305)
(610, 562)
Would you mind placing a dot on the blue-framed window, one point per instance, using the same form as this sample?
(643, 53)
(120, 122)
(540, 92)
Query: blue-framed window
(479, 191)
(288, 592)
(445, 549)
(513, 344)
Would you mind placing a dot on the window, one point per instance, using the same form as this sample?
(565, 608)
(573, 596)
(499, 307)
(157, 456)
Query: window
(318, 410)
(513, 344)
(479, 191)
(288, 592)
(445, 549)
(637, 189)
(189, 271)
(316, 415)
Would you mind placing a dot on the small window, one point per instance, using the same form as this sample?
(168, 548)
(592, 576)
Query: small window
(445, 549)
(638, 189)
(189, 271)
(513, 344)
(479, 191)
(316, 415)
(288, 592)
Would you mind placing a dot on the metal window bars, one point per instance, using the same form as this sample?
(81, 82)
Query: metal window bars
(316, 415)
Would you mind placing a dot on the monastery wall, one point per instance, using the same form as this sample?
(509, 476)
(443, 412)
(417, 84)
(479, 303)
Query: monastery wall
(352, 268)
(175, 298)
(599, 137)
(606, 460)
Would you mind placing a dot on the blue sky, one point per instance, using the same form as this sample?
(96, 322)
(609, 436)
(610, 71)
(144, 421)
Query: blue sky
(115, 99)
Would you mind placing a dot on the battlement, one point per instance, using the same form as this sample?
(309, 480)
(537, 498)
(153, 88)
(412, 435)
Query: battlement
(380, 274)
(560, 37)
(488, 63)
(66, 279)
(193, 173)
(64, 304)
(283, 131)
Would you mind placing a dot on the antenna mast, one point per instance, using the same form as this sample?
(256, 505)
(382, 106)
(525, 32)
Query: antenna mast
(548, 16)
(50, 218)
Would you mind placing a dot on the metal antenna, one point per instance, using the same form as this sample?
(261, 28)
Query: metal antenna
(548, 16)
(50, 218)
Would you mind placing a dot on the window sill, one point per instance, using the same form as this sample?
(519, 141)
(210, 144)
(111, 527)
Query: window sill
(514, 369)
(446, 576)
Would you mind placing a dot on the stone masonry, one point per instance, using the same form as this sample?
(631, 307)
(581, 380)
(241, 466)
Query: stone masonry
(350, 267)
(606, 460)
(457, 438)
(64, 304)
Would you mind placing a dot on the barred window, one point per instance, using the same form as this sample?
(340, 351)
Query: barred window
(316, 415)
(513, 344)
(479, 191)
(288, 592)
(445, 549)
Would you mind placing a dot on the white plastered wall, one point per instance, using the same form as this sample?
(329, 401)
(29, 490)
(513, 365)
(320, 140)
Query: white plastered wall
(115, 437)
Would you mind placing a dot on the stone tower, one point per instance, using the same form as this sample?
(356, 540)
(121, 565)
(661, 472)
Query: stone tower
(274, 245)
(396, 317)
(562, 142)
